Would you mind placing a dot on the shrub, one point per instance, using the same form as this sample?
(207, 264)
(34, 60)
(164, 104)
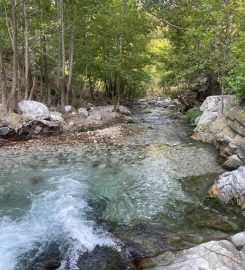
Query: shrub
(192, 115)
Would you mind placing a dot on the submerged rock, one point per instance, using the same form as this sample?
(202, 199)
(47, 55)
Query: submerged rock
(144, 239)
(209, 218)
(34, 110)
(230, 187)
(104, 258)
(37, 179)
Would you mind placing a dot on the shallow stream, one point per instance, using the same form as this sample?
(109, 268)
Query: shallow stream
(67, 201)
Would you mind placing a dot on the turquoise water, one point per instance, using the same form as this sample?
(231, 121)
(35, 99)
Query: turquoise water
(65, 195)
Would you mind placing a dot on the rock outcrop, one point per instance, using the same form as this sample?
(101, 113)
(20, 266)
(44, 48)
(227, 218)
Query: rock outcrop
(229, 187)
(226, 131)
(222, 255)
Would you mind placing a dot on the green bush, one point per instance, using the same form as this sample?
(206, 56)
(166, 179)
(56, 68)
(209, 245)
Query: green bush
(192, 114)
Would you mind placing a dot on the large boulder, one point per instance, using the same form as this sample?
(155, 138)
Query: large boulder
(230, 187)
(33, 110)
(212, 108)
(212, 255)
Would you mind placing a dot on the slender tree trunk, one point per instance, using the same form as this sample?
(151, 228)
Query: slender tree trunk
(91, 86)
(33, 84)
(27, 56)
(63, 85)
(68, 93)
(3, 80)
(12, 97)
(45, 70)
(227, 39)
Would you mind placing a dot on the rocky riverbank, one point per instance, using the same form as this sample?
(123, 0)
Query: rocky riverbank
(225, 130)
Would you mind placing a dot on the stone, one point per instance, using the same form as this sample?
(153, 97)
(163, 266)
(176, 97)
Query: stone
(71, 127)
(83, 112)
(229, 188)
(124, 110)
(238, 240)
(38, 129)
(33, 110)
(68, 109)
(13, 120)
(212, 255)
(232, 163)
(214, 103)
(95, 116)
(211, 108)
(36, 179)
(56, 116)
(4, 131)
(207, 118)
(209, 218)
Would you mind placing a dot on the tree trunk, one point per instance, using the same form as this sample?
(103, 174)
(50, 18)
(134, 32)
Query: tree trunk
(63, 85)
(68, 93)
(33, 86)
(27, 56)
(45, 70)
(3, 80)
(12, 97)
(91, 86)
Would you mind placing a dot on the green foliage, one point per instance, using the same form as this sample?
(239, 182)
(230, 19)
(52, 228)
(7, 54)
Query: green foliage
(204, 38)
(192, 115)
(236, 76)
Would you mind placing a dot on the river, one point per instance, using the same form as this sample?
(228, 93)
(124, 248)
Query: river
(63, 207)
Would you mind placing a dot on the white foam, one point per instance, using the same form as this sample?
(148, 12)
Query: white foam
(59, 213)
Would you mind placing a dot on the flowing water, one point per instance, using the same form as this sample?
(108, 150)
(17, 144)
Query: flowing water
(68, 197)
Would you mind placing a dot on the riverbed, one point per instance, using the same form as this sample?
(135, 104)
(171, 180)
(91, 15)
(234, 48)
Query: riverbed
(69, 206)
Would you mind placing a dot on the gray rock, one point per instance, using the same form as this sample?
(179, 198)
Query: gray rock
(4, 131)
(68, 109)
(212, 108)
(124, 110)
(33, 109)
(71, 127)
(230, 187)
(38, 129)
(95, 116)
(56, 116)
(13, 120)
(238, 240)
(232, 163)
(207, 118)
(213, 255)
(214, 103)
(83, 112)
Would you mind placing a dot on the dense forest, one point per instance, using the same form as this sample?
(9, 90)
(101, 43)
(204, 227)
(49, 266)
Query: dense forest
(56, 51)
